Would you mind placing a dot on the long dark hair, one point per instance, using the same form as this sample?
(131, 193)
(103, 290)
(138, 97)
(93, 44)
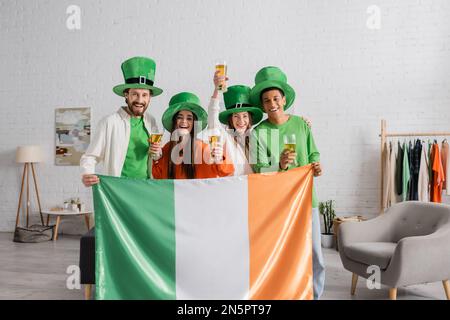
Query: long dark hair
(187, 168)
(246, 144)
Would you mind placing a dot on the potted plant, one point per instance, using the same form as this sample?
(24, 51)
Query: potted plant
(326, 209)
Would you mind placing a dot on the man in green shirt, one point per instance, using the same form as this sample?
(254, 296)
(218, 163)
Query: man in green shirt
(120, 142)
(136, 159)
(280, 130)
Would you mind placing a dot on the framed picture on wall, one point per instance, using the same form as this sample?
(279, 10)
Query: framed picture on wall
(73, 134)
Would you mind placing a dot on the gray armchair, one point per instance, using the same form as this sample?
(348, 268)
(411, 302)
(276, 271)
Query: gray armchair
(410, 243)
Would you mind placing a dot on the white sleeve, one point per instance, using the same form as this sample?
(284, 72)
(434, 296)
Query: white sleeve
(153, 124)
(96, 150)
(213, 113)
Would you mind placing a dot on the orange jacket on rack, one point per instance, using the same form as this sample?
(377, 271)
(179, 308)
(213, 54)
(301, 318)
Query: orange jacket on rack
(203, 170)
(438, 175)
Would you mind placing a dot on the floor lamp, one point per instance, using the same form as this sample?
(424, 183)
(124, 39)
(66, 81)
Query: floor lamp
(28, 155)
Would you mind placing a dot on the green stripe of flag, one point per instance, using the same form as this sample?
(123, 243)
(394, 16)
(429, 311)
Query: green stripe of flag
(135, 244)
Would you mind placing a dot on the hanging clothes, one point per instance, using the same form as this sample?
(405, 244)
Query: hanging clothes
(415, 153)
(393, 194)
(438, 175)
(423, 185)
(445, 156)
(406, 173)
(410, 159)
(386, 175)
(447, 173)
(399, 169)
(430, 161)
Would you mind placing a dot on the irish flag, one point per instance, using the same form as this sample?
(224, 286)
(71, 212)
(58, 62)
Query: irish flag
(246, 237)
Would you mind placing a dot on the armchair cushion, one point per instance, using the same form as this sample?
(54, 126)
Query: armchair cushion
(371, 253)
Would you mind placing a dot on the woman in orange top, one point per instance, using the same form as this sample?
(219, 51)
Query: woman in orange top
(185, 157)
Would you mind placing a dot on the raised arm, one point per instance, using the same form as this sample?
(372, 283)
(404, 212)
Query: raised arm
(213, 107)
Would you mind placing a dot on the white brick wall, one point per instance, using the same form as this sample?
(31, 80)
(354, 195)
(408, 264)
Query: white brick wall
(347, 76)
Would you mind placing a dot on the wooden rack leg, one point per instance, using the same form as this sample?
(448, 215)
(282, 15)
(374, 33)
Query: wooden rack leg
(383, 141)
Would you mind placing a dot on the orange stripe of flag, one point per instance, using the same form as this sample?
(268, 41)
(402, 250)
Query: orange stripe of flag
(280, 206)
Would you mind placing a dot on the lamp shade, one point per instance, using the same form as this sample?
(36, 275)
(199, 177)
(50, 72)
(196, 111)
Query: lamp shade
(29, 154)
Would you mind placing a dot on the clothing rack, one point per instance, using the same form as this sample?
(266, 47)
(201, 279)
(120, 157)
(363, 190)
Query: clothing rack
(384, 134)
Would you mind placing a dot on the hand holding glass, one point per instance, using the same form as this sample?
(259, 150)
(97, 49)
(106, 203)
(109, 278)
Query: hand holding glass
(155, 137)
(221, 67)
(215, 140)
(290, 144)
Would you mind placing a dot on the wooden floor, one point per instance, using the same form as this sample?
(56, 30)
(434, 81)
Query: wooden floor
(38, 271)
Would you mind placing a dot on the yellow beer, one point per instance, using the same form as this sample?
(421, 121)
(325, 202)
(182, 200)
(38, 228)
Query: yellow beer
(222, 68)
(290, 141)
(213, 141)
(155, 138)
(290, 147)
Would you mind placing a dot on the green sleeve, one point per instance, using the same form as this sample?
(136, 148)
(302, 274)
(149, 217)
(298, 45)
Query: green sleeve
(260, 158)
(313, 153)
(406, 175)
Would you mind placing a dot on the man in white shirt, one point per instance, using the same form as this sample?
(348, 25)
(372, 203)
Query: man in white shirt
(121, 139)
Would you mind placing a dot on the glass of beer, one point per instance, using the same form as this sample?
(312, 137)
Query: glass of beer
(221, 66)
(290, 144)
(155, 137)
(215, 139)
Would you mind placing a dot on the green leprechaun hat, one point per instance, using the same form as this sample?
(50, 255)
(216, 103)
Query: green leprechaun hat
(139, 73)
(271, 77)
(184, 101)
(237, 99)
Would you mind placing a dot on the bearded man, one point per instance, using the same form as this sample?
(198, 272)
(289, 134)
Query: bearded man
(121, 142)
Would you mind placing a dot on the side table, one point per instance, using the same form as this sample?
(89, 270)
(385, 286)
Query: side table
(65, 213)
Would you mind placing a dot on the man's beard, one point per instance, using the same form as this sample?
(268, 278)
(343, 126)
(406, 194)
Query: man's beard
(137, 111)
